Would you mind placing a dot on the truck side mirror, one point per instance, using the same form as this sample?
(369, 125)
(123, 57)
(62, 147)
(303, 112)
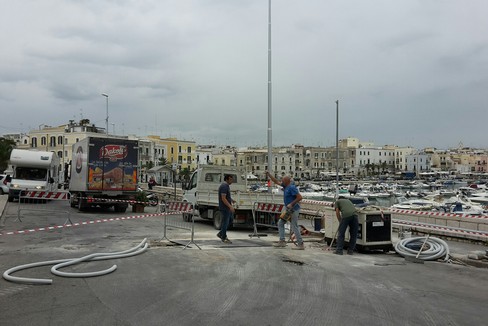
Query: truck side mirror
(8, 178)
(51, 180)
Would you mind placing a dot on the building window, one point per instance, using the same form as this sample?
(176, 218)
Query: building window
(188, 159)
(60, 140)
(188, 149)
(34, 142)
(60, 154)
(179, 149)
(172, 151)
(43, 141)
(52, 141)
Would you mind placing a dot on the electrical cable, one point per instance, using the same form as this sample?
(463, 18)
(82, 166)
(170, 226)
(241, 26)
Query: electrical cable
(435, 248)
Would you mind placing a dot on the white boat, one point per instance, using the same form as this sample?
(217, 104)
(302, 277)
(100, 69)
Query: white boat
(417, 205)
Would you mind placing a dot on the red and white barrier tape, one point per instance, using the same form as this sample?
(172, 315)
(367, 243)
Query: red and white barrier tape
(442, 228)
(430, 213)
(317, 202)
(105, 220)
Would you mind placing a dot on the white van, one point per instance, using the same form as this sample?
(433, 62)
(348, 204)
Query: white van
(33, 170)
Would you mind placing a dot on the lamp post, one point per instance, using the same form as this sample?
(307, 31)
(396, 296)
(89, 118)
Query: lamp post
(106, 119)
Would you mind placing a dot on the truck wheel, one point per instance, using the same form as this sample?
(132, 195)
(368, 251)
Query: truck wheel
(217, 220)
(153, 201)
(187, 217)
(120, 209)
(72, 202)
(81, 206)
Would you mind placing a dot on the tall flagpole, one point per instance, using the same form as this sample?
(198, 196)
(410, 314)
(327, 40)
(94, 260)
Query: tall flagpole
(270, 132)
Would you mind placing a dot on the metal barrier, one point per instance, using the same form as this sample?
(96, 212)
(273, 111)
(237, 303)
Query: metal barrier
(174, 221)
(474, 227)
(42, 197)
(267, 214)
(441, 230)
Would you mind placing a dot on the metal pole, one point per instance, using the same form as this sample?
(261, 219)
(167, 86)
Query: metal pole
(106, 119)
(270, 131)
(337, 149)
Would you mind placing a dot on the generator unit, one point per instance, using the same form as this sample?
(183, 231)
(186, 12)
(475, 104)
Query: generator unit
(374, 231)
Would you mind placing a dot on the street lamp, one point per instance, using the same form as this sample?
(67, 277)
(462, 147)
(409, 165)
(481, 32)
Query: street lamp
(106, 120)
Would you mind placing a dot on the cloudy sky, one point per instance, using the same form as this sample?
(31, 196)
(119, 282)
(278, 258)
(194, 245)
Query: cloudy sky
(405, 72)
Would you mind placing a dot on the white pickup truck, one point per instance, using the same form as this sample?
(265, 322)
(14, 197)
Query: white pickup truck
(202, 193)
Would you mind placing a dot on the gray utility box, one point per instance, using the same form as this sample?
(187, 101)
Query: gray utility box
(374, 229)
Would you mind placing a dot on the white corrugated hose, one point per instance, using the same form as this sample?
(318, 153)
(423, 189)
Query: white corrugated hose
(434, 248)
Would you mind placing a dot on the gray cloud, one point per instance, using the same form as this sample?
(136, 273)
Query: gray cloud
(405, 72)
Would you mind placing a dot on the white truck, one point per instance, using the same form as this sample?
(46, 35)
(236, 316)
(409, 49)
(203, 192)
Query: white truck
(33, 171)
(104, 173)
(202, 193)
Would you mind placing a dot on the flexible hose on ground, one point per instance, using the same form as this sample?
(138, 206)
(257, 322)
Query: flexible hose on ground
(65, 262)
(434, 248)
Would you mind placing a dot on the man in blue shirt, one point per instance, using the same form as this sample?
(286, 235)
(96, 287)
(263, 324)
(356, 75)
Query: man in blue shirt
(291, 198)
(225, 207)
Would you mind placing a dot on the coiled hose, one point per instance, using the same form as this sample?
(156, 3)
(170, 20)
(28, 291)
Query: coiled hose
(434, 248)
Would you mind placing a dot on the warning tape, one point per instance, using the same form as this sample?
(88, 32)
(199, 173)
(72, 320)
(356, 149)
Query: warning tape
(442, 228)
(430, 213)
(317, 202)
(91, 222)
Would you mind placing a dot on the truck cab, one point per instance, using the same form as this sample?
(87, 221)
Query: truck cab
(209, 178)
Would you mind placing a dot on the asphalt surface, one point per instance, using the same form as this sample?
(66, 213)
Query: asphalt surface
(246, 283)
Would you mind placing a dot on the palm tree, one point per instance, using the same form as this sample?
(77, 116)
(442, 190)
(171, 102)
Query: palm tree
(163, 161)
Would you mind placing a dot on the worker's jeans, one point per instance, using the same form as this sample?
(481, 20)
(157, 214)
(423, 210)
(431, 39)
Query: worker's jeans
(353, 223)
(294, 227)
(226, 217)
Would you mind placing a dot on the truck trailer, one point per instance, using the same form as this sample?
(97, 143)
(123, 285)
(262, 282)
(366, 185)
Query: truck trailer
(104, 173)
(33, 171)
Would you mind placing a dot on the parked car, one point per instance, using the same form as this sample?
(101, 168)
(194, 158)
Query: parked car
(3, 184)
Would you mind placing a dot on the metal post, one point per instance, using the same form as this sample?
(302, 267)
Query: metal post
(337, 149)
(106, 119)
(270, 131)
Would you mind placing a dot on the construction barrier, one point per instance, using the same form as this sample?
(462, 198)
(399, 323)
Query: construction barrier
(474, 227)
(442, 230)
(32, 201)
(172, 220)
(268, 214)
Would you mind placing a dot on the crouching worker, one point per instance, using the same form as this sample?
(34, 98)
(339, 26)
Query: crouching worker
(291, 198)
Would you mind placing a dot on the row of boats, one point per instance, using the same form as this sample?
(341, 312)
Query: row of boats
(456, 198)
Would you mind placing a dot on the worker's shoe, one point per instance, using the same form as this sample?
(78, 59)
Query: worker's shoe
(299, 247)
(280, 244)
(219, 236)
(350, 252)
(338, 252)
(226, 240)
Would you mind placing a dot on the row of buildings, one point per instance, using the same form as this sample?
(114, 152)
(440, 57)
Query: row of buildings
(353, 157)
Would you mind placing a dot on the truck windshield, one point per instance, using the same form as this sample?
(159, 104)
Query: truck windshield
(35, 174)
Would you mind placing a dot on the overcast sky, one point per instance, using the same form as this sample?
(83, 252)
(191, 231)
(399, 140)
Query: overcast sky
(405, 72)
